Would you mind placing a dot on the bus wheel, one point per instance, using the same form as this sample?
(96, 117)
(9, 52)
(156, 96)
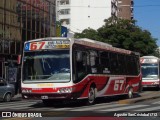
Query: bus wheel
(140, 87)
(91, 96)
(130, 93)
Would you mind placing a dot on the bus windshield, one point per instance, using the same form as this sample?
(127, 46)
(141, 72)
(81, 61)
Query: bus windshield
(51, 66)
(149, 70)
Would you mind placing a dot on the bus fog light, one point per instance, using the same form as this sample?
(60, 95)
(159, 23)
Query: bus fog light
(156, 82)
(65, 90)
(24, 91)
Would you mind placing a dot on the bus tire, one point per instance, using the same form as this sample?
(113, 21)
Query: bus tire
(130, 93)
(91, 96)
(140, 87)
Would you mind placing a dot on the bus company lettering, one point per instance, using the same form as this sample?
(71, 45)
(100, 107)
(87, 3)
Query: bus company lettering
(29, 114)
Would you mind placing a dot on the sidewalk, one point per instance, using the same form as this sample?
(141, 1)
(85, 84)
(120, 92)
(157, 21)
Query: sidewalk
(17, 97)
(143, 97)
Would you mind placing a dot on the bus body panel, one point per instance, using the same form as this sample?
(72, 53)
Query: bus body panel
(106, 86)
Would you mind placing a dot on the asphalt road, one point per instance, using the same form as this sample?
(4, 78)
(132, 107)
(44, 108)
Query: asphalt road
(147, 102)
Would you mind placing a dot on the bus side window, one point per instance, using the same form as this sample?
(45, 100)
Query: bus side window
(80, 65)
(105, 62)
(122, 65)
(114, 64)
(94, 61)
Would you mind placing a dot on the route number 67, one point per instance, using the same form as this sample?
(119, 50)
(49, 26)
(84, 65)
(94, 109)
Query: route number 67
(118, 85)
(36, 45)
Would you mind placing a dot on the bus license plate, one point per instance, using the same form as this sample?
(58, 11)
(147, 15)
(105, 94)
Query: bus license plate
(44, 97)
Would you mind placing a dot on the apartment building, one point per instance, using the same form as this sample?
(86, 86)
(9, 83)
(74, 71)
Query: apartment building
(78, 15)
(125, 9)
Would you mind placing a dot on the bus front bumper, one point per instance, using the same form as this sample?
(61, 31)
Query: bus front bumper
(150, 84)
(49, 96)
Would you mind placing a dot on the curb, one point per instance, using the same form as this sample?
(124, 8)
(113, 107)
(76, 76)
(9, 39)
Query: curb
(17, 97)
(140, 99)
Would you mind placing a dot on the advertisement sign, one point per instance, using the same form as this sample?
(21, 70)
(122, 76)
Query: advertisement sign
(63, 31)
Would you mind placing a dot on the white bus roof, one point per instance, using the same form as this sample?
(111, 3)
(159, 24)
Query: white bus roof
(88, 42)
(48, 38)
(101, 45)
(149, 57)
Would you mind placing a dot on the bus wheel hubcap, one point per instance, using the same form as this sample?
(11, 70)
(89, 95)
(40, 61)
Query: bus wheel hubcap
(91, 95)
(130, 93)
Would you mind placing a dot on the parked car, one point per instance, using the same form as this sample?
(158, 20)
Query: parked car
(7, 91)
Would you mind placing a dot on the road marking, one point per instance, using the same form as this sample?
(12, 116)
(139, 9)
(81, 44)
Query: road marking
(124, 108)
(149, 109)
(15, 107)
(97, 107)
(158, 102)
(18, 105)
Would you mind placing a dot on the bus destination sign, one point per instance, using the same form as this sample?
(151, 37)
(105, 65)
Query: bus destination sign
(39, 45)
(149, 60)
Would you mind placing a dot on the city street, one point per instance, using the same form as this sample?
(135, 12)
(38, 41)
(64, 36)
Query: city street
(104, 107)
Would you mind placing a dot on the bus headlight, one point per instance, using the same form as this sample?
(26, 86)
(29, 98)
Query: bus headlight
(26, 91)
(156, 82)
(23, 91)
(65, 90)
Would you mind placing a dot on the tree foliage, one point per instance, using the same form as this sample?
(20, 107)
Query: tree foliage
(123, 34)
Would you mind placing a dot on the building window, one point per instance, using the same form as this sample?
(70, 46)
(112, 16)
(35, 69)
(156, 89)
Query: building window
(119, 9)
(65, 21)
(65, 11)
(6, 46)
(119, 1)
(1, 46)
(64, 2)
(12, 47)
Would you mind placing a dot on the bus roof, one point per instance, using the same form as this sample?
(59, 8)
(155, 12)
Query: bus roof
(48, 38)
(149, 57)
(101, 45)
(88, 42)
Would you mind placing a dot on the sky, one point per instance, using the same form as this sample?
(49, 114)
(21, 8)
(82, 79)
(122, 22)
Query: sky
(147, 14)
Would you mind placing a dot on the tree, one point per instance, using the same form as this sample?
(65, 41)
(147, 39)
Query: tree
(123, 34)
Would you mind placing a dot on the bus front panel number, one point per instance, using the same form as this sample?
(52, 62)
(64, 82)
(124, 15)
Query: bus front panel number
(36, 45)
(118, 85)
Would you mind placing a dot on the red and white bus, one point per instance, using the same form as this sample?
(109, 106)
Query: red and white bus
(71, 69)
(150, 71)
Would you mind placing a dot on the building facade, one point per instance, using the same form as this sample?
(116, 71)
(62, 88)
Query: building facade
(22, 20)
(78, 15)
(125, 9)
